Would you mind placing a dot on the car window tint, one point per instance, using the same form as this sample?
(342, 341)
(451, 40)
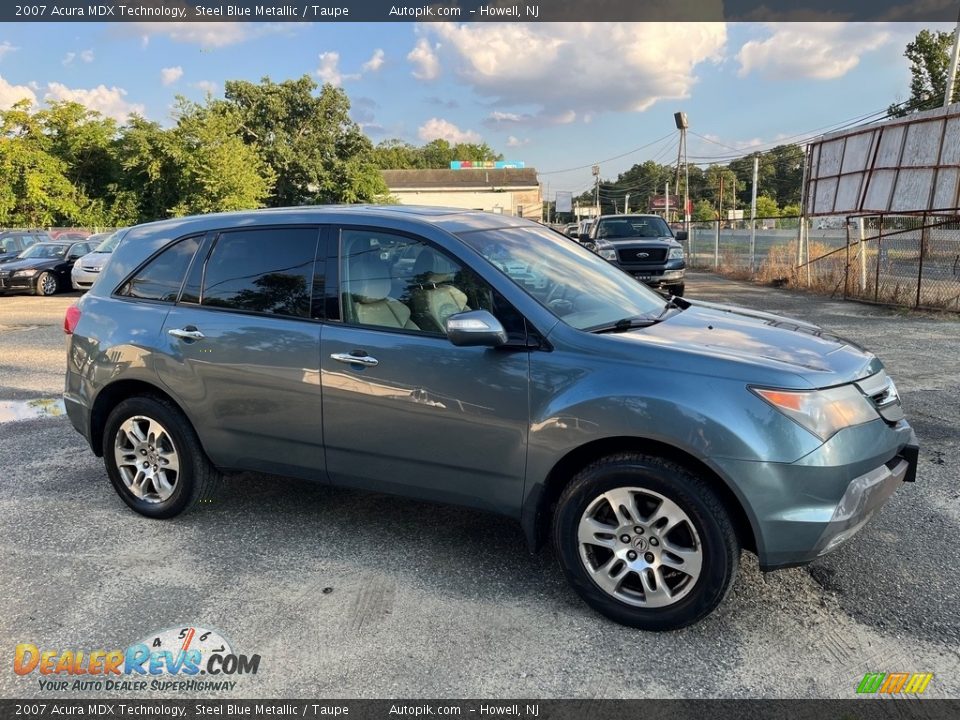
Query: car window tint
(264, 271)
(161, 278)
(393, 281)
(8, 244)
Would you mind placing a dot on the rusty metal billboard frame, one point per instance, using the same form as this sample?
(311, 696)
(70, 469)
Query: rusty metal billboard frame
(909, 164)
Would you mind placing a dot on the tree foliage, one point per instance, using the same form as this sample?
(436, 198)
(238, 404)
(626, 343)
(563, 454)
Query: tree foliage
(929, 56)
(437, 154)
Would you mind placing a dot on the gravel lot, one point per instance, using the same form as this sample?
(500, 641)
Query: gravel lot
(346, 594)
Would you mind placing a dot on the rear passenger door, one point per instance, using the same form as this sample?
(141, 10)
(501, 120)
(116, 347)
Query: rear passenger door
(406, 411)
(243, 343)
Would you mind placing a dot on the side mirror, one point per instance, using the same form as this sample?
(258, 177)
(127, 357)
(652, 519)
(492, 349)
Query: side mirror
(583, 237)
(682, 235)
(475, 328)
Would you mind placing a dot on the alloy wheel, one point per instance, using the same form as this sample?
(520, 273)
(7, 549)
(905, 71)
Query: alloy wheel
(147, 459)
(640, 547)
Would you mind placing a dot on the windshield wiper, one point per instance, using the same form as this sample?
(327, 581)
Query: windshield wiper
(628, 323)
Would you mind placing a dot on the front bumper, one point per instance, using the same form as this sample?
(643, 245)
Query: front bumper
(800, 511)
(17, 284)
(673, 273)
(83, 279)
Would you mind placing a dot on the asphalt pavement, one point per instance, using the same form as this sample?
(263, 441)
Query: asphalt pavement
(346, 594)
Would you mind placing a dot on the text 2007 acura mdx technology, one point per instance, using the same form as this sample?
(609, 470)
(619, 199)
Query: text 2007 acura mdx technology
(487, 361)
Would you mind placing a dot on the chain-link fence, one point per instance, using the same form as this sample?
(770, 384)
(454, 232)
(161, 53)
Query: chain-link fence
(910, 260)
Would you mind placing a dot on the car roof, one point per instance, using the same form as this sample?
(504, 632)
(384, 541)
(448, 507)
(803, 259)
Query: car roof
(451, 219)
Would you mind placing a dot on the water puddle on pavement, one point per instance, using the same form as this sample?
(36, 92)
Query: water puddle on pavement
(16, 410)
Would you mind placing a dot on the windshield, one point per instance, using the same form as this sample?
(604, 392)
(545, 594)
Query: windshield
(109, 244)
(632, 227)
(44, 250)
(576, 285)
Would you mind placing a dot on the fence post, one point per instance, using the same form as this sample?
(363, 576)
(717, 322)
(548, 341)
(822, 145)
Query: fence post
(716, 247)
(876, 281)
(846, 269)
(863, 256)
(923, 251)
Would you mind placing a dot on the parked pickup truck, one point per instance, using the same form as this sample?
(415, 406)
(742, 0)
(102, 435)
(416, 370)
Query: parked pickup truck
(643, 246)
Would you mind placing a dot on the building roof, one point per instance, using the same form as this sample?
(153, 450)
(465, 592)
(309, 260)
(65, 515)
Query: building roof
(460, 179)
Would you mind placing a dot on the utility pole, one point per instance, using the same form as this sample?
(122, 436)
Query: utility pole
(626, 204)
(952, 75)
(666, 208)
(596, 187)
(683, 124)
(753, 215)
(716, 243)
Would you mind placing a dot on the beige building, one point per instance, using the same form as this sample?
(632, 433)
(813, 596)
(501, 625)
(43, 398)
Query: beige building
(507, 191)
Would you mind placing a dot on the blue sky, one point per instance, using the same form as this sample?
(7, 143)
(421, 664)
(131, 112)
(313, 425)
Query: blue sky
(555, 96)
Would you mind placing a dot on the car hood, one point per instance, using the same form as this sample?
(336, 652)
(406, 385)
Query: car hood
(94, 260)
(27, 263)
(773, 341)
(627, 242)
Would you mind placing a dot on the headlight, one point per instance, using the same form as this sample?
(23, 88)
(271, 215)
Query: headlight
(25, 273)
(675, 254)
(822, 412)
(607, 253)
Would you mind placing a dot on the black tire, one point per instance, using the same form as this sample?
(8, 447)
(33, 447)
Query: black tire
(718, 540)
(42, 278)
(197, 480)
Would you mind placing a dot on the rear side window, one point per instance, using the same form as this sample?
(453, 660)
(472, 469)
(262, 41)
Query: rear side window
(266, 270)
(161, 278)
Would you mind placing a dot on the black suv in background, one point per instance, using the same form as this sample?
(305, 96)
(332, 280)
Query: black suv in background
(645, 247)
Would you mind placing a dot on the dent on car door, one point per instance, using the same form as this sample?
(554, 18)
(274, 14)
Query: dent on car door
(243, 346)
(405, 410)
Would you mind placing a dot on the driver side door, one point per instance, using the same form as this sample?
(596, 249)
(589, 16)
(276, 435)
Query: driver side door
(404, 410)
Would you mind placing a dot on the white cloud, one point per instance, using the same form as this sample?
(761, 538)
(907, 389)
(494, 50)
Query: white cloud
(84, 56)
(10, 94)
(375, 62)
(515, 142)
(108, 101)
(563, 70)
(208, 86)
(168, 76)
(439, 129)
(6, 48)
(329, 69)
(821, 51)
(425, 60)
(204, 34)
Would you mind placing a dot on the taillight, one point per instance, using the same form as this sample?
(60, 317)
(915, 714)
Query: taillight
(71, 319)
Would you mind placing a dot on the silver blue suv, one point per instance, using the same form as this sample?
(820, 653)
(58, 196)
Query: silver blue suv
(487, 361)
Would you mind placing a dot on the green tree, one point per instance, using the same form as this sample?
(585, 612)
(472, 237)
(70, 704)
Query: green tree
(767, 207)
(929, 56)
(151, 180)
(34, 188)
(315, 152)
(704, 211)
(219, 171)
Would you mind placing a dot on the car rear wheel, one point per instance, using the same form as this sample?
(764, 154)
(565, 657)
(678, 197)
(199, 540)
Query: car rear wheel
(646, 542)
(154, 458)
(47, 284)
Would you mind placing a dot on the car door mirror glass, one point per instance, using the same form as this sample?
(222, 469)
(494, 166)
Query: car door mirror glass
(475, 328)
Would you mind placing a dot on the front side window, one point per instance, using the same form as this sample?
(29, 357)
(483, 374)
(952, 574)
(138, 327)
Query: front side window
(399, 282)
(45, 250)
(161, 278)
(266, 270)
(576, 285)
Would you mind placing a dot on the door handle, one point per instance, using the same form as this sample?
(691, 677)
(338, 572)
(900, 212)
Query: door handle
(187, 333)
(351, 359)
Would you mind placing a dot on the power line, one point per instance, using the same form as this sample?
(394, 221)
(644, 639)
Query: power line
(611, 159)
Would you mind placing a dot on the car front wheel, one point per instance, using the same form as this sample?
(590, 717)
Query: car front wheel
(154, 458)
(646, 542)
(47, 284)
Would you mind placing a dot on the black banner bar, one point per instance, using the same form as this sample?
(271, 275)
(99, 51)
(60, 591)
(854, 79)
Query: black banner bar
(118, 709)
(473, 11)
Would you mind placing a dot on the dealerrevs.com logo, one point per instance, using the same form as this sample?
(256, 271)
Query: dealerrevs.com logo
(179, 659)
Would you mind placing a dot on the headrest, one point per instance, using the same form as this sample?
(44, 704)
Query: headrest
(432, 267)
(369, 279)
